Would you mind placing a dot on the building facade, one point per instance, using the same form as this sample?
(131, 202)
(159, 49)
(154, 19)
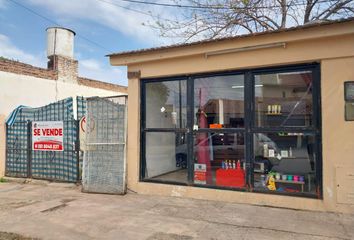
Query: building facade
(261, 119)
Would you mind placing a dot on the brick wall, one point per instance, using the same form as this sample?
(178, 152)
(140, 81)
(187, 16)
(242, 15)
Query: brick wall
(59, 68)
(103, 85)
(12, 66)
(67, 68)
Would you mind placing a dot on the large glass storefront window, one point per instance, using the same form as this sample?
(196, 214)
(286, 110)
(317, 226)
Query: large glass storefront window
(166, 156)
(284, 162)
(219, 159)
(166, 103)
(221, 99)
(165, 141)
(283, 99)
(252, 131)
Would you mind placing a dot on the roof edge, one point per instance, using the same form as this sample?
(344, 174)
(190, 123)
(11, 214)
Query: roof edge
(176, 46)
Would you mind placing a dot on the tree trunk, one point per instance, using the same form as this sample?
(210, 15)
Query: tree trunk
(283, 5)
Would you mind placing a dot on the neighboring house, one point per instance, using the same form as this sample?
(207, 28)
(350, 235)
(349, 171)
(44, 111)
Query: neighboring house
(24, 84)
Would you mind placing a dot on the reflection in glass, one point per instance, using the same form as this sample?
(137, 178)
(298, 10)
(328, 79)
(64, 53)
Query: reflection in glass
(283, 99)
(166, 156)
(284, 162)
(216, 158)
(166, 104)
(221, 100)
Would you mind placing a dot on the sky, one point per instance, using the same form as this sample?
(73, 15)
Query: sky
(114, 28)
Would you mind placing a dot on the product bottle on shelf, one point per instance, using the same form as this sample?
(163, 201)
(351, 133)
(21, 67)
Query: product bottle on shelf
(290, 152)
(263, 180)
(265, 150)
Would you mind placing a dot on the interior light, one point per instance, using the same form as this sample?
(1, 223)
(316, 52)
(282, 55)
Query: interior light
(258, 85)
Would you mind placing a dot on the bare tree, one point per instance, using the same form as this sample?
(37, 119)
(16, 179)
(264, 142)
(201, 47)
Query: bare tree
(208, 19)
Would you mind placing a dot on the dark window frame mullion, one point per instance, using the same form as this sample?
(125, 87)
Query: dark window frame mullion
(176, 130)
(190, 122)
(221, 130)
(164, 79)
(261, 70)
(142, 165)
(285, 130)
(285, 69)
(249, 120)
(316, 94)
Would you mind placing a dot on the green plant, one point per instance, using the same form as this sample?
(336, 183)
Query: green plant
(2, 180)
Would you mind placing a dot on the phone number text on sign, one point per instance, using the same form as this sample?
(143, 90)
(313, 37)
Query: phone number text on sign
(47, 136)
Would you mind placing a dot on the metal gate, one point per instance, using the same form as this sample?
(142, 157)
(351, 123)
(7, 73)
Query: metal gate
(104, 152)
(21, 161)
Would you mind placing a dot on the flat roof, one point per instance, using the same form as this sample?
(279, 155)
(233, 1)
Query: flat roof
(174, 46)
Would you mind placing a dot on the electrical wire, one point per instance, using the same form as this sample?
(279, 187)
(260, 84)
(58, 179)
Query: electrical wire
(133, 10)
(219, 6)
(57, 24)
(124, 7)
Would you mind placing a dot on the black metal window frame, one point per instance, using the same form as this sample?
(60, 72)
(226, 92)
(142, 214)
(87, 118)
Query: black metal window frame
(249, 127)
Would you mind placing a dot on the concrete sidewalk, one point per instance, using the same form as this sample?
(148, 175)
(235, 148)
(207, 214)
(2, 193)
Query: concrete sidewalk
(60, 211)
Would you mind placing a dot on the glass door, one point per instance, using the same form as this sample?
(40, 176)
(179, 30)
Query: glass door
(219, 131)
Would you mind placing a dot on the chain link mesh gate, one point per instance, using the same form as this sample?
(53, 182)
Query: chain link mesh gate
(104, 154)
(21, 161)
(17, 148)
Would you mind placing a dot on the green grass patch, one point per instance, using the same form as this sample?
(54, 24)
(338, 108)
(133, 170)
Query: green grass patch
(2, 180)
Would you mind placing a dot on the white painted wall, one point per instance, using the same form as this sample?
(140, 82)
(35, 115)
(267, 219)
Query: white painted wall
(2, 145)
(30, 91)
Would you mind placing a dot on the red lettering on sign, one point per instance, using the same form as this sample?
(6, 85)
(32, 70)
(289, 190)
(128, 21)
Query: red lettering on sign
(200, 176)
(36, 132)
(52, 132)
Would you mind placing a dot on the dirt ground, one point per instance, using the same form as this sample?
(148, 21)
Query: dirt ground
(42, 210)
